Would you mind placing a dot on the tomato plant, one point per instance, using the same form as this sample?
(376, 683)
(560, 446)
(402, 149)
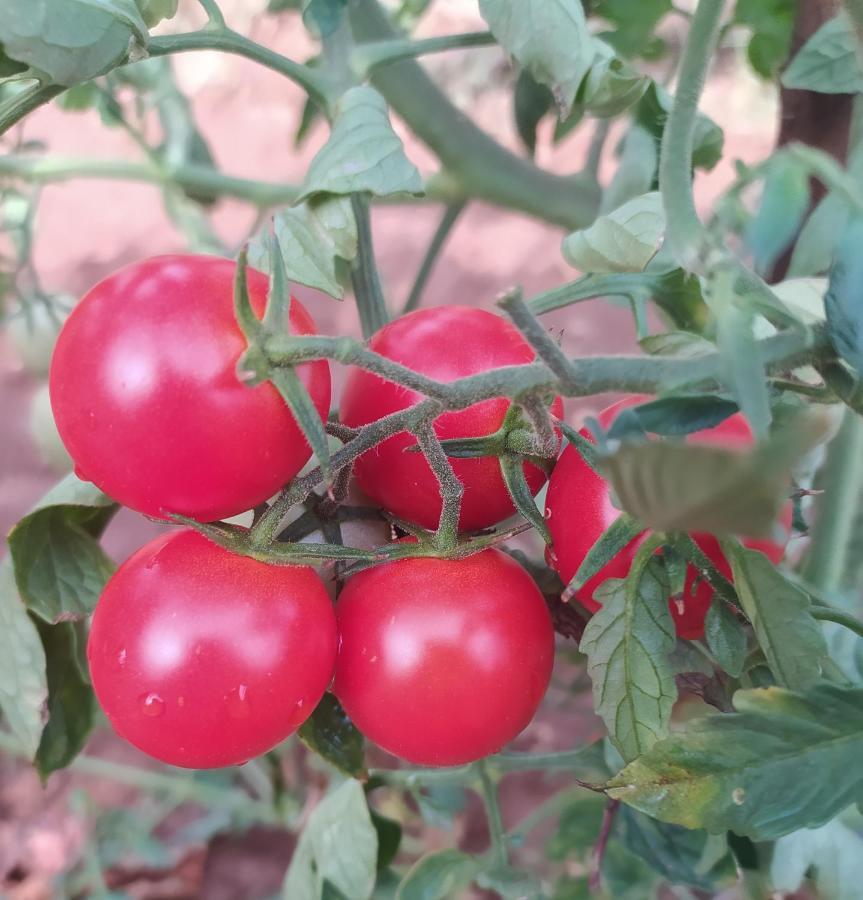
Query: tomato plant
(575, 485)
(427, 340)
(145, 417)
(443, 662)
(203, 658)
(379, 576)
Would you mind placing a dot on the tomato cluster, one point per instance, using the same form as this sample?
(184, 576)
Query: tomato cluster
(202, 657)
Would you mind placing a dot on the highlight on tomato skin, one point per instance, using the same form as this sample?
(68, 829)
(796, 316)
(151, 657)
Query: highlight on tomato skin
(443, 662)
(579, 509)
(146, 396)
(444, 343)
(202, 658)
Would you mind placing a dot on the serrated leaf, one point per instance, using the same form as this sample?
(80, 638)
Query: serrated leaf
(784, 761)
(675, 415)
(622, 531)
(69, 40)
(680, 855)
(792, 640)
(832, 853)
(624, 240)
(363, 153)
(71, 703)
(701, 488)
(726, 637)
(60, 569)
(827, 62)
(628, 643)
(23, 677)
(312, 237)
(548, 37)
(842, 303)
(330, 733)
(339, 844)
(440, 875)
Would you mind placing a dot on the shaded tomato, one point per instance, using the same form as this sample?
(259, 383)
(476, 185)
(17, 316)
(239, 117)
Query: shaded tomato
(579, 508)
(203, 658)
(147, 400)
(443, 661)
(444, 343)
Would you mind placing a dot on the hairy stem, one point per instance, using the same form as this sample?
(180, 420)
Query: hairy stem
(364, 272)
(489, 796)
(451, 489)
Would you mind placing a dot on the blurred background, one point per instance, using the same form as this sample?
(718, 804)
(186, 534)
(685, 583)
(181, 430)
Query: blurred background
(116, 825)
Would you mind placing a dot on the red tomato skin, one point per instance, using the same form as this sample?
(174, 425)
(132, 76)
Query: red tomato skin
(444, 343)
(147, 401)
(442, 662)
(575, 486)
(202, 658)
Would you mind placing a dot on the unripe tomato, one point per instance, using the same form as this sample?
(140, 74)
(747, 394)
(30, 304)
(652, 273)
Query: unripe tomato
(203, 658)
(148, 402)
(578, 509)
(444, 343)
(443, 661)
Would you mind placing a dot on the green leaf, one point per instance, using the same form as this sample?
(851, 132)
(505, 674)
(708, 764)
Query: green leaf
(842, 303)
(784, 203)
(312, 238)
(680, 855)
(510, 883)
(330, 733)
(9, 67)
(828, 61)
(323, 17)
(611, 86)
(550, 38)
(624, 240)
(389, 839)
(71, 703)
(784, 761)
(628, 643)
(790, 637)
(512, 470)
(531, 102)
(819, 237)
(772, 24)
(339, 844)
(832, 853)
(675, 415)
(676, 343)
(726, 637)
(23, 677)
(438, 876)
(622, 531)
(69, 40)
(439, 804)
(60, 568)
(635, 25)
(636, 171)
(681, 487)
(154, 11)
(363, 152)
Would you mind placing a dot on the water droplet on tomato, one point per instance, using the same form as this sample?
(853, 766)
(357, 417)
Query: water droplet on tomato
(239, 706)
(151, 704)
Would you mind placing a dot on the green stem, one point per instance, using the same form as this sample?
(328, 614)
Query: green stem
(215, 16)
(24, 102)
(854, 9)
(451, 489)
(836, 509)
(450, 216)
(188, 175)
(314, 83)
(483, 167)
(589, 287)
(685, 233)
(827, 614)
(381, 53)
(364, 272)
(488, 791)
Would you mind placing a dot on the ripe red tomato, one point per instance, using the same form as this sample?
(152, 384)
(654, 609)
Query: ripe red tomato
(445, 343)
(443, 661)
(147, 399)
(579, 508)
(203, 658)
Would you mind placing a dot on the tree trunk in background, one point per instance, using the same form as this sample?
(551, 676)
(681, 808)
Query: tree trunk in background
(818, 120)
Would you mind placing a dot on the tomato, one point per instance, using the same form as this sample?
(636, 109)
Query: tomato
(202, 658)
(147, 399)
(579, 509)
(444, 343)
(443, 661)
